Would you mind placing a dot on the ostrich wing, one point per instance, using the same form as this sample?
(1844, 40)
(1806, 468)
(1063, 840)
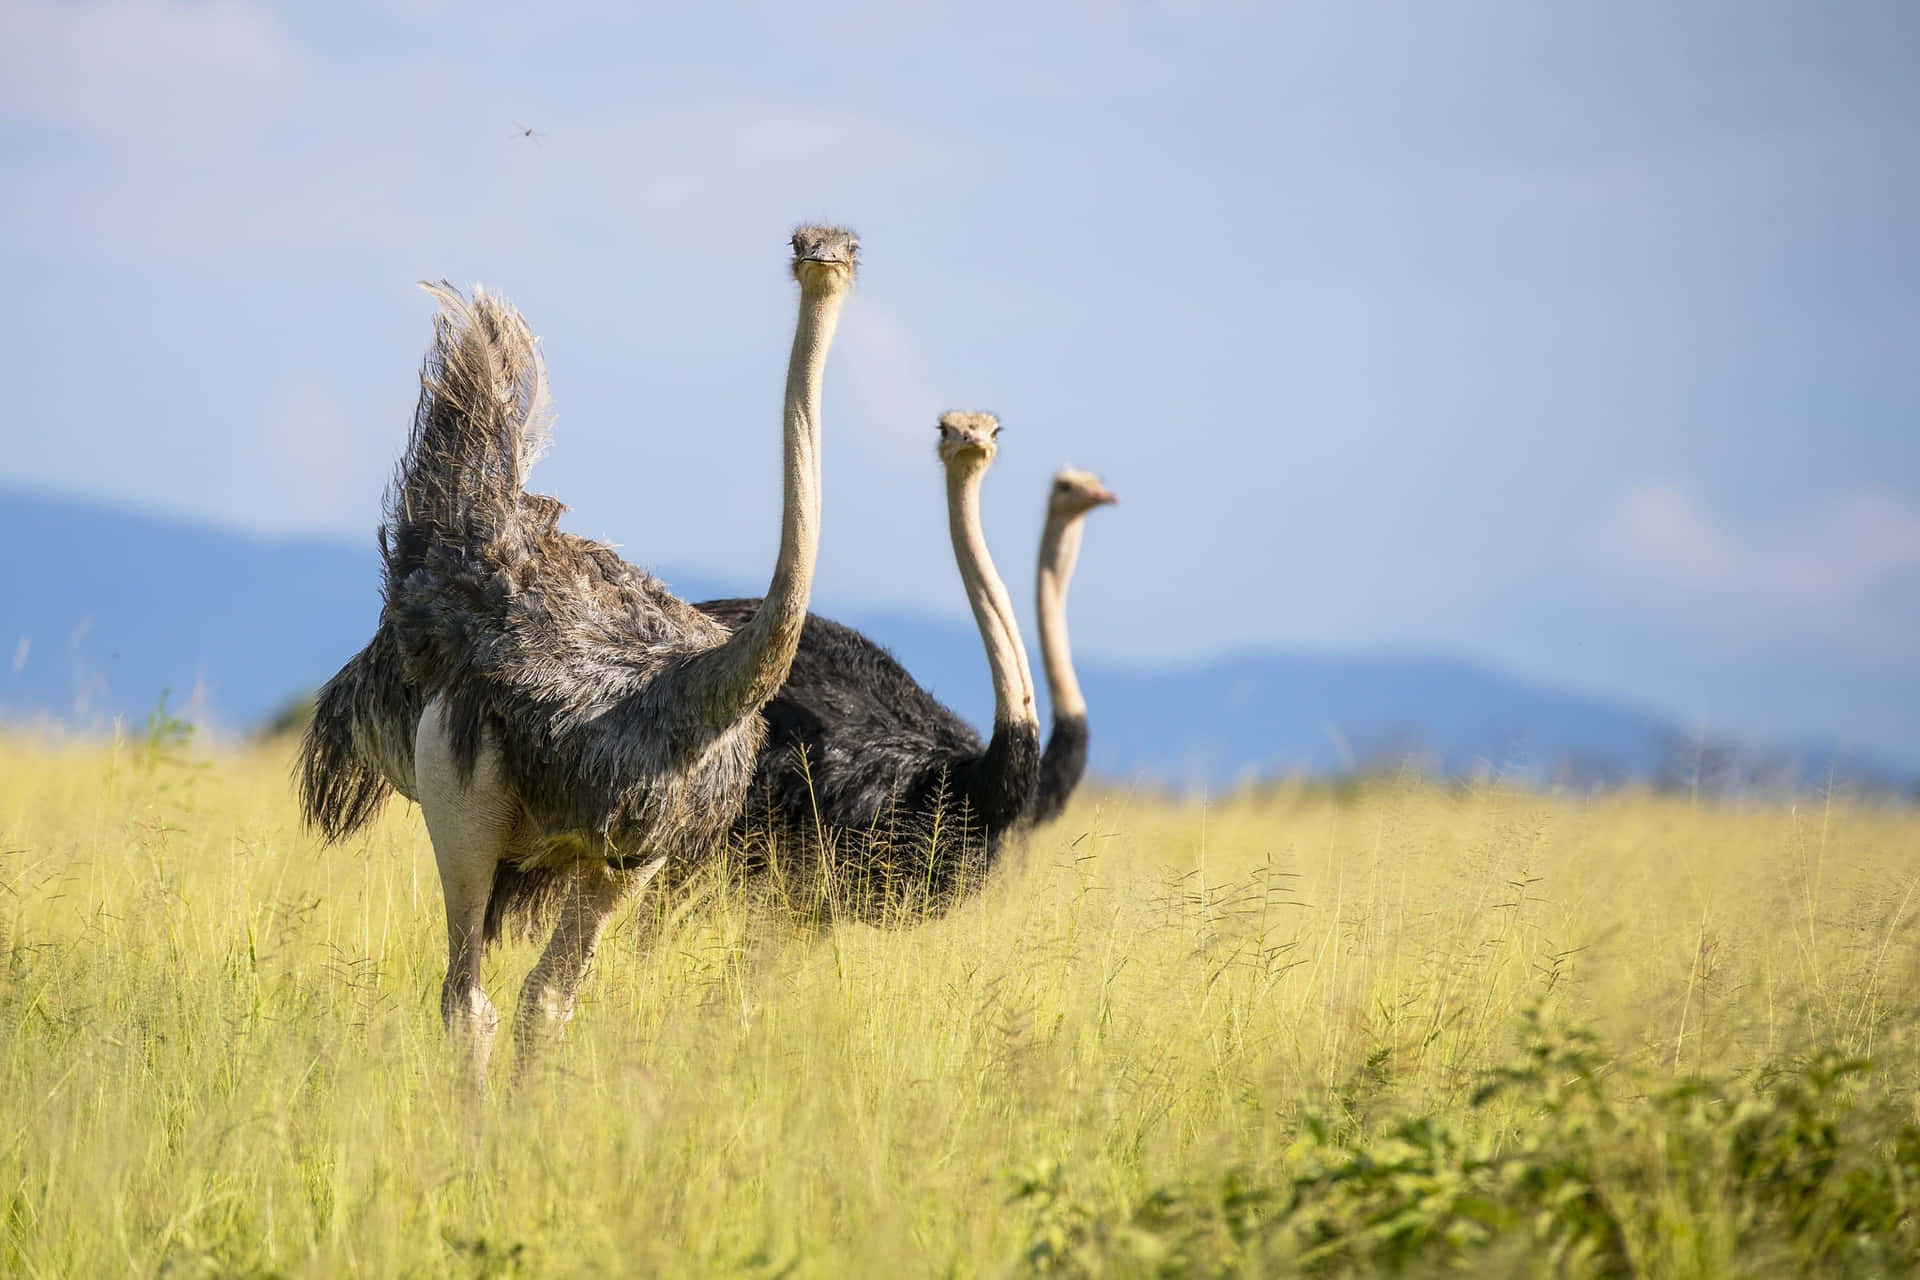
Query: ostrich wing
(569, 660)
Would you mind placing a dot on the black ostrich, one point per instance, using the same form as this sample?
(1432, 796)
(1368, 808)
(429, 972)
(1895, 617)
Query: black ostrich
(1072, 494)
(866, 778)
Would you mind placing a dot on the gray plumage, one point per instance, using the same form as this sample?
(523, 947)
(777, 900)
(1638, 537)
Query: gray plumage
(574, 663)
(578, 728)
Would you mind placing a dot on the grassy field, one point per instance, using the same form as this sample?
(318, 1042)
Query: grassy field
(1394, 1026)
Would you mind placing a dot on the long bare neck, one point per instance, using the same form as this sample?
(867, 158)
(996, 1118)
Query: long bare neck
(992, 607)
(737, 678)
(1059, 549)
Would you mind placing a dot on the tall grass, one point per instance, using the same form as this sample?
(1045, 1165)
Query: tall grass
(1411, 1026)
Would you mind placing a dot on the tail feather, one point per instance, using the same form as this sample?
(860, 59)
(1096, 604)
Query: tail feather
(483, 419)
(341, 791)
(358, 747)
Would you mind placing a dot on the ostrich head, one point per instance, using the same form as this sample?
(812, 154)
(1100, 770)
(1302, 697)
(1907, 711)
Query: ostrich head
(1077, 492)
(967, 439)
(825, 257)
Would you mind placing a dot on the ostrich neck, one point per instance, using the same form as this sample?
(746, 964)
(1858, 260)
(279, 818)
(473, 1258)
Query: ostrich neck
(1059, 549)
(738, 677)
(992, 607)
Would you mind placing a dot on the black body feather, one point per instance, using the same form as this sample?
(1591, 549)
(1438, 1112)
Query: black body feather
(1062, 764)
(914, 808)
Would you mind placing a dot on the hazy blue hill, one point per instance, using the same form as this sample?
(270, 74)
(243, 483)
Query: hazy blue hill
(113, 607)
(1319, 714)
(116, 606)
(105, 608)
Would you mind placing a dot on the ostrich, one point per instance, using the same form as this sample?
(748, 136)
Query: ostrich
(1073, 494)
(579, 726)
(915, 801)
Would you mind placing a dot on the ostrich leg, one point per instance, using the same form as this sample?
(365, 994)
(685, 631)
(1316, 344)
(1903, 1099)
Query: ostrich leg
(546, 1001)
(470, 824)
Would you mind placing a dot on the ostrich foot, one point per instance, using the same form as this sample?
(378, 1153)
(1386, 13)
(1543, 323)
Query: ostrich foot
(471, 1023)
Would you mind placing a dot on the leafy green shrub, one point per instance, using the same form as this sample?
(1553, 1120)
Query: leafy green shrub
(1562, 1163)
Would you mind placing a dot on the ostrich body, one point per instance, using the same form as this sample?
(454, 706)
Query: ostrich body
(580, 726)
(1072, 494)
(910, 800)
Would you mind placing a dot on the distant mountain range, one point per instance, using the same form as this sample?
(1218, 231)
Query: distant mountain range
(104, 609)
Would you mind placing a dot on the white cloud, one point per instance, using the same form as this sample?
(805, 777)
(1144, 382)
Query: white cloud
(142, 74)
(894, 398)
(316, 465)
(1830, 555)
(1659, 531)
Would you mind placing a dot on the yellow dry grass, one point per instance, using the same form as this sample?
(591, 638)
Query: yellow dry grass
(220, 1051)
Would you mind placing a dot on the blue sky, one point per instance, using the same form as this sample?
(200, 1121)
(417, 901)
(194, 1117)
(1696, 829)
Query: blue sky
(1579, 341)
